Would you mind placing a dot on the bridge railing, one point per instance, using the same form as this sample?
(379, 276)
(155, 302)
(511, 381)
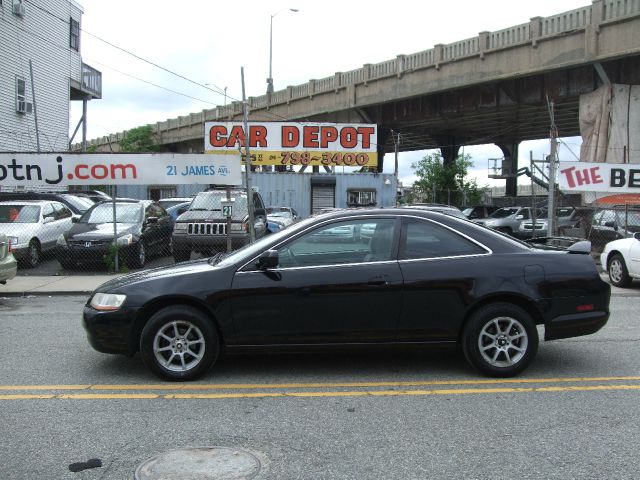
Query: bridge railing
(538, 28)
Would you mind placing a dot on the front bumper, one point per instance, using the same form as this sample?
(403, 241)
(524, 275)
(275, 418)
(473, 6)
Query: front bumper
(92, 254)
(110, 332)
(207, 242)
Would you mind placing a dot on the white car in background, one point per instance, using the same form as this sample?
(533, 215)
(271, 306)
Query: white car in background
(8, 263)
(32, 227)
(621, 259)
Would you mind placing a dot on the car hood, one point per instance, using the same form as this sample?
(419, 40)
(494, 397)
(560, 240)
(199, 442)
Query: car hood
(173, 271)
(100, 231)
(205, 216)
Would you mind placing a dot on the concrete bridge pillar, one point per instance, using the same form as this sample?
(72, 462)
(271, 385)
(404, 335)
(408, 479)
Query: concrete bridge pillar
(510, 167)
(449, 149)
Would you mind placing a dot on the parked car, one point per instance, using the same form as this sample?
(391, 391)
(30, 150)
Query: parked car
(612, 224)
(177, 209)
(32, 227)
(479, 211)
(8, 263)
(507, 219)
(424, 278)
(96, 196)
(284, 217)
(566, 217)
(171, 201)
(143, 228)
(291, 211)
(203, 227)
(621, 259)
(77, 204)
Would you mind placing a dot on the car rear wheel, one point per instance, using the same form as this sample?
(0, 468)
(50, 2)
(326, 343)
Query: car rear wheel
(618, 273)
(179, 343)
(33, 254)
(500, 340)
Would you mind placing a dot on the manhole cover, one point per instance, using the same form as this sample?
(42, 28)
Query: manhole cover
(216, 463)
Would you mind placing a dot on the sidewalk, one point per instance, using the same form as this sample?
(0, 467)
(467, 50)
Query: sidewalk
(23, 286)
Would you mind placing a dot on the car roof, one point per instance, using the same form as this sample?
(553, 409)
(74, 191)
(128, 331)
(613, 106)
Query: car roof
(28, 202)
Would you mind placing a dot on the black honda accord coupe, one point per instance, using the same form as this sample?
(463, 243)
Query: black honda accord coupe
(417, 277)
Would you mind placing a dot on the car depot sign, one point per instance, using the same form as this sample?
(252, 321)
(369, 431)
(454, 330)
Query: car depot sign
(294, 143)
(599, 177)
(38, 169)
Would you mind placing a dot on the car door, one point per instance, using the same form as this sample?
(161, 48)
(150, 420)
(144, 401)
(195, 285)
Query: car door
(438, 266)
(326, 289)
(51, 227)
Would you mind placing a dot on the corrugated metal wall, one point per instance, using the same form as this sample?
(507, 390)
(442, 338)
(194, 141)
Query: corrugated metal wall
(294, 189)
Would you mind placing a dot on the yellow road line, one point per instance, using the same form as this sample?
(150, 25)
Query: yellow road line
(355, 393)
(256, 386)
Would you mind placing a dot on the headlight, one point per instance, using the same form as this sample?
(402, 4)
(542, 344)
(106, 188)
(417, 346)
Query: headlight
(180, 228)
(107, 301)
(61, 241)
(125, 240)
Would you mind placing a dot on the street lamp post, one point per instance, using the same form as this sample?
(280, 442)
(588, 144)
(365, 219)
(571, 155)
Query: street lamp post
(270, 78)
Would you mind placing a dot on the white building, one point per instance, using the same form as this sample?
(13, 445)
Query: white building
(41, 71)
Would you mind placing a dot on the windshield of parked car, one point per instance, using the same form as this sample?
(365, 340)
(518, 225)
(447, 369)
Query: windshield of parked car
(19, 213)
(213, 202)
(80, 203)
(103, 213)
(504, 212)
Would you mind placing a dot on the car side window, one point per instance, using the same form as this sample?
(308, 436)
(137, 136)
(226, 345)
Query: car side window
(48, 212)
(425, 239)
(341, 242)
(61, 211)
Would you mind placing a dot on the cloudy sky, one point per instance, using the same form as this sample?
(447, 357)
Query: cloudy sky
(207, 42)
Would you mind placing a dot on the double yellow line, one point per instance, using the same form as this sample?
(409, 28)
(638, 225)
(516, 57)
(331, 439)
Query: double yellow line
(296, 390)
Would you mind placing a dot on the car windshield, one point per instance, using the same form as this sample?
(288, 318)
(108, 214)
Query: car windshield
(80, 203)
(504, 212)
(206, 201)
(103, 213)
(281, 214)
(19, 213)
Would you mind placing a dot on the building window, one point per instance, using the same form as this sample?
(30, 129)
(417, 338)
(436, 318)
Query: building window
(22, 106)
(74, 34)
(361, 198)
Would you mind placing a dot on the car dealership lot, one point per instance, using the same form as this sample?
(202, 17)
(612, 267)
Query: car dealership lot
(386, 414)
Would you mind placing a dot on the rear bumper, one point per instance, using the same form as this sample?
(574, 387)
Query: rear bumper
(575, 325)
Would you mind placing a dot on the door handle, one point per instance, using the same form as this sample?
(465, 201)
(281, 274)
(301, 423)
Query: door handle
(378, 282)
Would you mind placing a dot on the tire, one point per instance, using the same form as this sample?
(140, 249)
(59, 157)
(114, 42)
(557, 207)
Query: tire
(618, 273)
(500, 340)
(33, 254)
(140, 256)
(181, 255)
(179, 343)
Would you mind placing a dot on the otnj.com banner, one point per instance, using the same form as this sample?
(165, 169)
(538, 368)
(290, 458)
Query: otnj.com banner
(38, 169)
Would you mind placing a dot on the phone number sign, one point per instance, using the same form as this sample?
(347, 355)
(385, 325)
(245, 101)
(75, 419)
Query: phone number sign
(294, 143)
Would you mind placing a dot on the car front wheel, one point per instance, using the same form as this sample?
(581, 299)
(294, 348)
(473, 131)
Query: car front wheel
(618, 273)
(139, 257)
(500, 340)
(179, 343)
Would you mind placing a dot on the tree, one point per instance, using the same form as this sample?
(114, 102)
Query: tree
(446, 184)
(138, 140)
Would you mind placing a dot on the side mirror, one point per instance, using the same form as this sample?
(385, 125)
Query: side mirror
(519, 217)
(610, 224)
(268, 259)
(636, 235)
(75, 219)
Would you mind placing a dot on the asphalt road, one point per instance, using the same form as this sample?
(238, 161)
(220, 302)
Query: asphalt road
(406, 415)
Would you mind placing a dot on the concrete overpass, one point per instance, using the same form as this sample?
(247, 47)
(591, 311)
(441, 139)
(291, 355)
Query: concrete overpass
(492, 88)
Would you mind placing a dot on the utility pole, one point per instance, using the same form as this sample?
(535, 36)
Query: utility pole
(395, 171)
(247, 159)
(551, 202)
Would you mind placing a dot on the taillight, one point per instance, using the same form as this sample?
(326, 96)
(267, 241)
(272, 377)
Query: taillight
(585, 308)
